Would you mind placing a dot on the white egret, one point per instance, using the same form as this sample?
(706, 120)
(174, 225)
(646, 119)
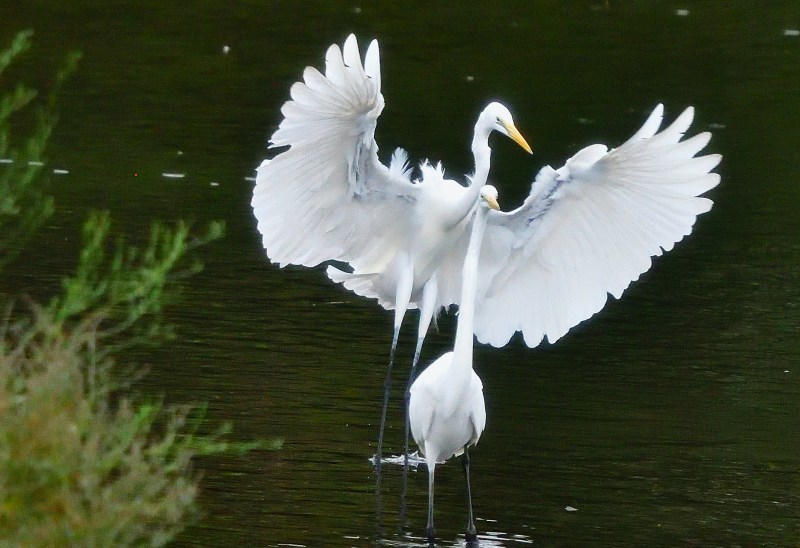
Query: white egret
(446, 408)
(328, 197)
(587, 229)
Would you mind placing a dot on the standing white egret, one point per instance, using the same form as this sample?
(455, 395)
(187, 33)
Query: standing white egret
(446, 408)
(328, 197)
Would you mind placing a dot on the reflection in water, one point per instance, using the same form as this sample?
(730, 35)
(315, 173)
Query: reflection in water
(668, 420)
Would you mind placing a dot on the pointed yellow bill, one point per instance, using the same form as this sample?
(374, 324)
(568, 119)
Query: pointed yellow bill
(492, 202)
(514, 133)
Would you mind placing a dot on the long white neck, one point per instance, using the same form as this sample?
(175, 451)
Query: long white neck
(462, 349)
(481, 152)
(482, 155)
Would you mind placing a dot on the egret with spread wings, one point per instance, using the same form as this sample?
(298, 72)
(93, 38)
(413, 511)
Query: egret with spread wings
(587, 229)
(328, 197)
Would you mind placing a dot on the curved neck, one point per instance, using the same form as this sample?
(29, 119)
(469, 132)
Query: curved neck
(482, 155)
(469, 282)
(481, 152)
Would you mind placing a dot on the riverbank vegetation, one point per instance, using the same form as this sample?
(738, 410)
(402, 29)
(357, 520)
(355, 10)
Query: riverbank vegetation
(83, 460)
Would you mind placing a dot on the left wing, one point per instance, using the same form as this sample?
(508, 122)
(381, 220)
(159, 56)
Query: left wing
(588, 230)
(328, 197)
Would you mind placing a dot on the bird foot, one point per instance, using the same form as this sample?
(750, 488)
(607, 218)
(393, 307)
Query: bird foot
(431, 534)
(472, 535)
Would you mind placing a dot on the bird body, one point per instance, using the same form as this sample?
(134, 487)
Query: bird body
(447, 410)
(427, 235)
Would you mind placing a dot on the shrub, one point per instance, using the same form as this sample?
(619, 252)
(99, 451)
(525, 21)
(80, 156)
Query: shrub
(81, 461)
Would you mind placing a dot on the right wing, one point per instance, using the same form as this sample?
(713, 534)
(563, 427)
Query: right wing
(328, 197)
(586, 231)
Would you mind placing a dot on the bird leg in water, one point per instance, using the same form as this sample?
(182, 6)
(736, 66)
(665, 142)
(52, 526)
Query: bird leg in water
(472, 533)
(387, 388)
(402, 299)
(430, 530)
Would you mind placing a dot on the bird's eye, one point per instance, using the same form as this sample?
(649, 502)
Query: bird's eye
(498, 120)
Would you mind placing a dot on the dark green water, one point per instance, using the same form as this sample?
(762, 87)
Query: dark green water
(669, 419)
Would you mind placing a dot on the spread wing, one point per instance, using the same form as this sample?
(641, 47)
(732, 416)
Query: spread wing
(328, 196)
(588, 230)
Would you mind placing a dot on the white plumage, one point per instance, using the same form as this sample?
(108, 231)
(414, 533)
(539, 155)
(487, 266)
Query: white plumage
(587, 229)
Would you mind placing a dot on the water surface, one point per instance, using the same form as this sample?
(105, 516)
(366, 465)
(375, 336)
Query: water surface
(668, 419)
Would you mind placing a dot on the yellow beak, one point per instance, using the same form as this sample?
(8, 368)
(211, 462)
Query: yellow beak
(492, 203)
(514, 133)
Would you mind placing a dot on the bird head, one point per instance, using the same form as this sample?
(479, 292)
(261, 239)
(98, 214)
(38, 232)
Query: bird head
(498, 118)
(489, 197)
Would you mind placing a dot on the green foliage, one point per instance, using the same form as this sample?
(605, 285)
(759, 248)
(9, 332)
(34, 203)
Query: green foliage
(128, 285)
(24, 205)
(83, 462)
(80, 463)
(74, 470)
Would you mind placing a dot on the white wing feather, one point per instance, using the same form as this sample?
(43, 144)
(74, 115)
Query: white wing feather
(328, 197)
(586, 231)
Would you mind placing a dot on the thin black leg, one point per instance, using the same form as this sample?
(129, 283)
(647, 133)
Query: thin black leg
(472, 534)
(387, 388)
(431, 532)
